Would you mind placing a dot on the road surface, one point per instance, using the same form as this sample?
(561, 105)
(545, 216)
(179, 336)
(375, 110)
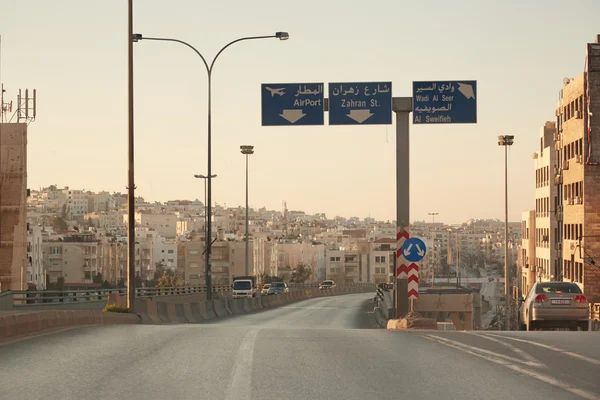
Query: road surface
(325, 348)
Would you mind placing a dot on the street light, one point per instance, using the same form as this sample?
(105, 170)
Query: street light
(209, 69)
(205, 179)
(506, 140)
(433, 214)
(247, 150)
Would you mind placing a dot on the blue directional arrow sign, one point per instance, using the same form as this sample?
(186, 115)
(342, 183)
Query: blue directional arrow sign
(414, 249)
(367, 103)
(445, 102)
(292, 104)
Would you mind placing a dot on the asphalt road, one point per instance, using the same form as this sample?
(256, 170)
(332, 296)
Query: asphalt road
(326, 348)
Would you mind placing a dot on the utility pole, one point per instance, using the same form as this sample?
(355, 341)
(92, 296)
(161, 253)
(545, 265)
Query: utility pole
(247, 150)
(506, 140)
(433, 214)
(131, 175)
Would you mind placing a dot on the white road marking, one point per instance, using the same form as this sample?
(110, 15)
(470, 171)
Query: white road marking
(523, 354)
(488, 352)
(548, 347)
(240, 386)
(541, 377)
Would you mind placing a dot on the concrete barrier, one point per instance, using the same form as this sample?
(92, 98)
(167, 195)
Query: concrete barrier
(200, 311)
(187, 312)
(147, 310)
(220, 308)
(236, 306)
(256, 303)
(248, 307)
(18, 324)
(163, 312)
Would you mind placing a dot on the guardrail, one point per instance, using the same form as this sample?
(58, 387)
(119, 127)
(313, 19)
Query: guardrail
(54, 298)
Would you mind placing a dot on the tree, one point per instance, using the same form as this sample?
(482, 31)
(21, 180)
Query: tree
(97, 278)
(266, 278)
(58, 224)
(64, 214)
(444, 262)
(300, 274)
(168, 279)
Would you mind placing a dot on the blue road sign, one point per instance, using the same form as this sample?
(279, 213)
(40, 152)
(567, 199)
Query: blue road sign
(414, 249)
(292, 104)
(445, 102)
(367, 103)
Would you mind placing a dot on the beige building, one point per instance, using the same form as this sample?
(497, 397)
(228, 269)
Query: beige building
(13, 206)
(578, 175)
(35, 257)
(527, 251)
(73, 257)
(164, 224)
(547, 238)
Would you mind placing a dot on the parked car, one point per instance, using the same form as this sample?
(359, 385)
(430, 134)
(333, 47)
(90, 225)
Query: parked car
(278, 288)
(265, 289)
(554, 305)
(327, 284)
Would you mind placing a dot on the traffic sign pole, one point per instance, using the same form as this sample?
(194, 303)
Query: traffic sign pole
(402, 106)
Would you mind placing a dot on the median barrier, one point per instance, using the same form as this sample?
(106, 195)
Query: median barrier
(219, 307)
(163, 313)
(147, 310)
(265, 301)
(14, 325)
(248, 305)
(236, 306)
(187, 312)
(175, 313)
(256, 303)
(200, 311)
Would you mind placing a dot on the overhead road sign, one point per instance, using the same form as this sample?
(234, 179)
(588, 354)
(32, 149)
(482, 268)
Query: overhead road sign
(445, 102)
(414, 249)
(367, 103)
(292, 104)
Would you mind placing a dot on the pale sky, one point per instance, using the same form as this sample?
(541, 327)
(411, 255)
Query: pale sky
(75, 54)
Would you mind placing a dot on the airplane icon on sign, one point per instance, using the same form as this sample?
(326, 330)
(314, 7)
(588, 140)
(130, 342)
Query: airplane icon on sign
(275, 91)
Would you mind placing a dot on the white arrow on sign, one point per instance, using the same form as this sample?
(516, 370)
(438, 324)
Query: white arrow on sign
(420, 252)
(466, 89)
(292, 115)
(407, 250)
(360, 116)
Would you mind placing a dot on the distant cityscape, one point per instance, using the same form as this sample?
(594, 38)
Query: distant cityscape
(78, 238)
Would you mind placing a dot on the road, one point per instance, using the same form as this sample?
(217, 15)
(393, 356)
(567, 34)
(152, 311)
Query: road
(325, 348)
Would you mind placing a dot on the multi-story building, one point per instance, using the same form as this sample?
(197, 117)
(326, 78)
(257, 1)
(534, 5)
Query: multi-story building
(547, 238)
(35, 257)
(13, 206)
(77, 202)
(164, 224)
(578, 125)
(527, 251)
(73, 257)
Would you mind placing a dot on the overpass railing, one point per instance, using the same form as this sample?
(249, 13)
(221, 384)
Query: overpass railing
(30, 298)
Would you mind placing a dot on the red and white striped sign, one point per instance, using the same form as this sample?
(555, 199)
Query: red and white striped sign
(413, 281)
(401, 262)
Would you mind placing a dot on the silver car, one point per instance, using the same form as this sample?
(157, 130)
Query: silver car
(554, 305)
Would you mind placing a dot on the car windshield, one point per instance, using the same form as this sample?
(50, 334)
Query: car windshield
(327, 283)
(242, 285)
(558, 287)
(278, 285)
(266, 286)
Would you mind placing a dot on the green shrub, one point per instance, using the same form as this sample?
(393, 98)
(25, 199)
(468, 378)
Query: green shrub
(115, 308)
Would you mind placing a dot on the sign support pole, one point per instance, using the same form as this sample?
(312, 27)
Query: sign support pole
(402, 106)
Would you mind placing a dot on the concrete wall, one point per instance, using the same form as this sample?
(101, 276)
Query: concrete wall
(13, 206)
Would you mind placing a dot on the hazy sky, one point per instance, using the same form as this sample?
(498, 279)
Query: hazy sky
(75, 54)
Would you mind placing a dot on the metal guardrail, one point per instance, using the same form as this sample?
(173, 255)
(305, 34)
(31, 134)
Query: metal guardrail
(25, 298)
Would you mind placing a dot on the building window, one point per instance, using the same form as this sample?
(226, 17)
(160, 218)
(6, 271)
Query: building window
(380, 259)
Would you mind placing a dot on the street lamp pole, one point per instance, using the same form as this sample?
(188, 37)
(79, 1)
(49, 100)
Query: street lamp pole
(506, 141)
(433, 214)
(130, 172)
(247, 150)
(209, 69)
(205, 215)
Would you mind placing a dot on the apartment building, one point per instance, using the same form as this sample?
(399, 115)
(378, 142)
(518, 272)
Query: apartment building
(527, 253)
(13, 206)
(73, 257)
(77, 202)
(35, 257)
(578, 174)
(547, 237)
(164, 224)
